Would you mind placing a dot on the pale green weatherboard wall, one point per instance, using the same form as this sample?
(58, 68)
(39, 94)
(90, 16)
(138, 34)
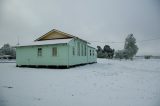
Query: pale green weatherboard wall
(75, 59)
(28, 55)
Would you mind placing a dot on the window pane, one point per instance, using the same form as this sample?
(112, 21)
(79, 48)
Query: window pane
(85, 50)
(81, 49)
(39, 52)
(54, 51)
(93, 52)
(73, 51)
(78, 51)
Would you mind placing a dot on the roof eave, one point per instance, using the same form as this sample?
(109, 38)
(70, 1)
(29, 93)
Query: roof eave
(39, 45)
(82, 40)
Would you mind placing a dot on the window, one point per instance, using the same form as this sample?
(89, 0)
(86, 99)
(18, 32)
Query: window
(93, 52)
(39, 53)
(85, 49)
(78, 51)
(54, 51)
(73, 50)
(90, 52)
(81, 49)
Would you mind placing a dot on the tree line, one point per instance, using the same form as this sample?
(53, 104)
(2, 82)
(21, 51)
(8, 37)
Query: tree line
(128, 52)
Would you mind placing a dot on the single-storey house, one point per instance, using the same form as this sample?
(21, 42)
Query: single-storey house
(55, 48)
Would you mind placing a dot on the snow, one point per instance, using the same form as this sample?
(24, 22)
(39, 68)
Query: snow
(46, 42)
(7, 61)
(107, 83)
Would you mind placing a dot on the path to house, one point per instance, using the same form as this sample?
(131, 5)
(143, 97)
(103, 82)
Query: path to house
(107, 83)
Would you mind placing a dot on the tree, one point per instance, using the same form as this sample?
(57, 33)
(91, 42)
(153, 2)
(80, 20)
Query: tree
(106, 52)
(1, 52)
(8, 50)
(100, 52)
(130, 48)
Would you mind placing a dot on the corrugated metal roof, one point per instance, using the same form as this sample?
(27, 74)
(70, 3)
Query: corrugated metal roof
(46, 42)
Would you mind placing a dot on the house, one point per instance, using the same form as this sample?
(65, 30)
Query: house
(55, 48)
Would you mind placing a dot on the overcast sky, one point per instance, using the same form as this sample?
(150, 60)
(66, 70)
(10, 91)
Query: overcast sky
(92, 20)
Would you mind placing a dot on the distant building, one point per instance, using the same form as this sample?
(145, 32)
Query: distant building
(55, 48)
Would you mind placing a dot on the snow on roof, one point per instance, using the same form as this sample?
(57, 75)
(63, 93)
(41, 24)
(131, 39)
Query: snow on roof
(92, 46)
(46, 42)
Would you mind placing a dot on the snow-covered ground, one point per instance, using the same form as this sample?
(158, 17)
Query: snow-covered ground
(107, 83)
(7, 61)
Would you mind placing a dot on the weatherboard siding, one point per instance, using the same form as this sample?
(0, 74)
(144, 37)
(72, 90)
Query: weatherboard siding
(76, 59)
(92, 58)
(28, 55)
(80, 59)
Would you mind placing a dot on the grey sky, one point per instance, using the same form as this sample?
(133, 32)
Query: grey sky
(93, 20)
